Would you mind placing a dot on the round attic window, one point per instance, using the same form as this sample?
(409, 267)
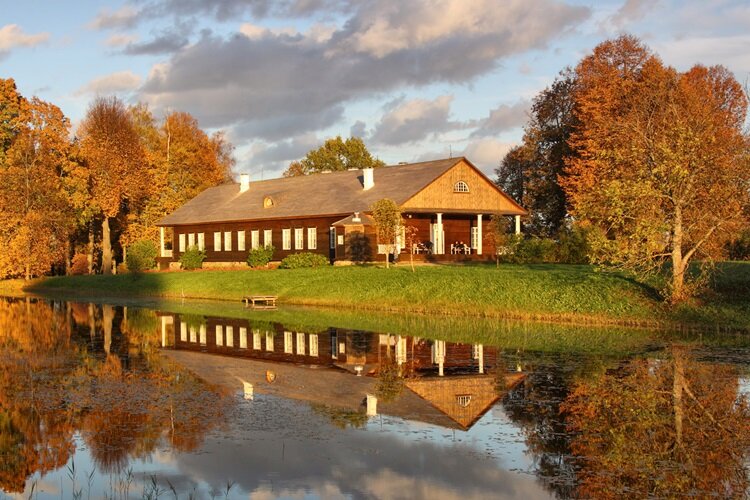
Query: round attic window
(267, 202)
(460, 187)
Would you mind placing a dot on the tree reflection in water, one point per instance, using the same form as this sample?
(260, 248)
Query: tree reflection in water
(664, 427)
(74, 368)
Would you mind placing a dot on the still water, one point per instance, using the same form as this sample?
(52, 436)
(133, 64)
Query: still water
(214, 401)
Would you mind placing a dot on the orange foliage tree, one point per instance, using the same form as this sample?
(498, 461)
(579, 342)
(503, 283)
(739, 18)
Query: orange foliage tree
(671, 427)
(660, 165)
(35, 215)
(112, 152)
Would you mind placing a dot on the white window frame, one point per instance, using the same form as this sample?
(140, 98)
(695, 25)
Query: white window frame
(202, 334)
(474, 237)
(312, 238)
(193, 334)
(299, 238)
(217, 242)
(269, 341)
(256, 340)
(219, 335)
(201, 241)
(460, 187)
(300, 343)
(268, 237)
(286, 239)
(183, 331)
(243, 337)
(191, 240)
(241, 241)
(229, 336)
(181, 239)
(288, 345)
(254, 239)
(314, 345)
(227, 241)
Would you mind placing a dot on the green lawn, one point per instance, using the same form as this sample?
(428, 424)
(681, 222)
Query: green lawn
(552, 292)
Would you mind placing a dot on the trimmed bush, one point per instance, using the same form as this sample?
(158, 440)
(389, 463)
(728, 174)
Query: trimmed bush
(192, 258)
(141, 256)
(305, 259)
(260, 257)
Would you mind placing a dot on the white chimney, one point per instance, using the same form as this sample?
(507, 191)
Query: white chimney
(244, 182)
(368, 178)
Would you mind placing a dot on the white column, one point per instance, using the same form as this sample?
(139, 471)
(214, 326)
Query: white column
(518, 224)
(164, 331)
(439, 243)
(372, 405)
(439, 355)
(479, 234)
(480, 353)
(161, 241)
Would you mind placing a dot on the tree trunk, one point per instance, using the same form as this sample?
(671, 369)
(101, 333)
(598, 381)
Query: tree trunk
(90, 256)
(677, 389)
(27, 271)
(387, 257)
(68, 256)
(108, 316)
(678, 264)
(106, 247)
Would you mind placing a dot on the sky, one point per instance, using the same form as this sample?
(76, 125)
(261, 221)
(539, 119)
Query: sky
(415, 79)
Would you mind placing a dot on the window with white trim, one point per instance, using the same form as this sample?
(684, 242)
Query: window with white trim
(193, 334)
(202, 334)
(313, 344)
(191, 240)
(230, 336)
(227, 241)
(243, 337)
(475, 237)
(286, 239)
(217, 242)
(183, 331)
(460, 187)
(182, 242)
(301, 343)
(254, 239)
(288, 347)
(463, 400)
(256, 340)
(299, 239)
(267, 238)
(219, 335)
(241, 241)
(269, 341)
(201, 241)
(312, 238)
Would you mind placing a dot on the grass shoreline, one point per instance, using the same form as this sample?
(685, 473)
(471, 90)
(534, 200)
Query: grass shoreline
(578, 295)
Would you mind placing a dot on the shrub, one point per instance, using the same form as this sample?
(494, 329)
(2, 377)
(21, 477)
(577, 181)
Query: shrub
(573, 246)
(305, 259)
(80, 264)
(260, 257)
(141, 256)
(192, 258)
(530, 250)
(739, 249)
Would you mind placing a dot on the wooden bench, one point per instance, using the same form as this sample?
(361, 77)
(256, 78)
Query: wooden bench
(260, 301)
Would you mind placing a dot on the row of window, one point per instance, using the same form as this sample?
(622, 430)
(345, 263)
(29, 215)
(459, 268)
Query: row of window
(225, 337)
(187, 240)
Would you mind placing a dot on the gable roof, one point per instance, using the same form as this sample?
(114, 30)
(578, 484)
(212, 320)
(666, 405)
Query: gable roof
(323, 194)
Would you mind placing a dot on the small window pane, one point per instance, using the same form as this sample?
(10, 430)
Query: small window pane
(267, 238)
(312, 238)
(228, 241)
(201, 241)
(217, 242)
(191, 240)
(241, 240)
(255, 239)
(461, 187)
(299, 242)
(182, 242)
(286, 239)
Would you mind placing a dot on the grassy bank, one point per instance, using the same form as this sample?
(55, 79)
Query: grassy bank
(569, 293)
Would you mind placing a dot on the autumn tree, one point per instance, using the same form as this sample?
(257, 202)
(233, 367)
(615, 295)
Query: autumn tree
(35, 214)
(529, 172)
(668, 427)
(660, 167)
(181, 161)
(114, 157)
(387, 216)
(334, 155)
(499, 236)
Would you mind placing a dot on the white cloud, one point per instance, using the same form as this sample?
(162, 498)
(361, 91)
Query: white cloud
(414, 120)
(504, 117)
(122, 81)
(11, 36)
(487, 153)
(730, 51)
(124, 17)
(119, 40)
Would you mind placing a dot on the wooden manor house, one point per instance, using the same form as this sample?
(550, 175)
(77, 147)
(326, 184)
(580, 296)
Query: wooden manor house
(449, 202)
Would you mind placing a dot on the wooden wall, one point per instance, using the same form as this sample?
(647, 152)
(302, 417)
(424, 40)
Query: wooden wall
(321, 224)
(483, 196)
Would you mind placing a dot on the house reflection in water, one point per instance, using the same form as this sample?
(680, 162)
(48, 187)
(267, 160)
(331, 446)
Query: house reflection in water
(439, 382)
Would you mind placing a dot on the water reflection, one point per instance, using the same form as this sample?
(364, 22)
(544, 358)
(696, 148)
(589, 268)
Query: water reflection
(199, 405)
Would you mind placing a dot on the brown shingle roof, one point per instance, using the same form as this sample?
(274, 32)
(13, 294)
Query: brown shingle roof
(309, 195)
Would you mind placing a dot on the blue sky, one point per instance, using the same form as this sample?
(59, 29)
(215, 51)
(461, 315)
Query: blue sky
(416, 79)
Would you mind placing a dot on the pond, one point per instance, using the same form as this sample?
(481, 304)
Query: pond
(210, 400)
